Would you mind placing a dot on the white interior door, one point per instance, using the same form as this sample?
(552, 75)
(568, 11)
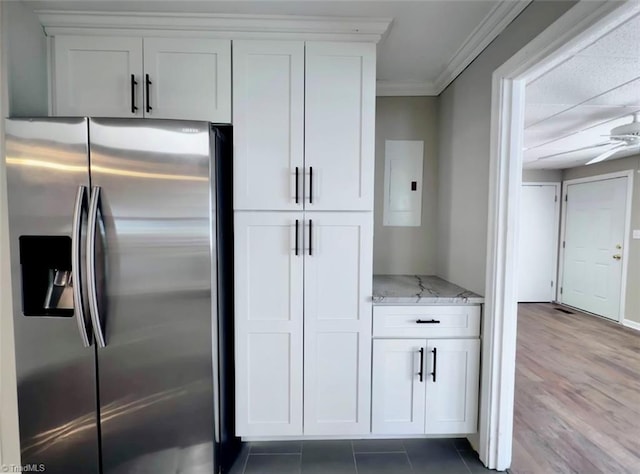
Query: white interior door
(594, 238)
(538, 247)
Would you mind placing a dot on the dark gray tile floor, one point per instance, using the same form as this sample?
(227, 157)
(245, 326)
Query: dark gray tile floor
(392, 456)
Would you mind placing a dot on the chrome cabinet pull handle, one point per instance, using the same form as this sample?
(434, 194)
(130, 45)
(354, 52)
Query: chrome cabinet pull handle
(76, 266)
(91, 267)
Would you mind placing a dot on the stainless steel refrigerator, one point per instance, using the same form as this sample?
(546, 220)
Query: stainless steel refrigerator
(121, 235)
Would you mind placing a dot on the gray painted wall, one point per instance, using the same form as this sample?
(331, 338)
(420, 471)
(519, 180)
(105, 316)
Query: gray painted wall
(464, 135)
(26, 55)
(632, 307)
(406, 250)
(541, 176)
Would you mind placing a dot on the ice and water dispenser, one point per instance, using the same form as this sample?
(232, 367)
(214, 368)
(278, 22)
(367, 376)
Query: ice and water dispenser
(47, 281)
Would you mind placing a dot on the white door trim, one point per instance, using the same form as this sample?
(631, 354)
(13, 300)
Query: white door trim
(579, 27)
(627, 230)
(558, 187)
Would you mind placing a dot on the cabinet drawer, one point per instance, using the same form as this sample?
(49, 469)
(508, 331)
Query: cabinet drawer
(426, 321)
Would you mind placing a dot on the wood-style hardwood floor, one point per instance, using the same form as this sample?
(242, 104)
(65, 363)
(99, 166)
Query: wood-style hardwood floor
(577, 396)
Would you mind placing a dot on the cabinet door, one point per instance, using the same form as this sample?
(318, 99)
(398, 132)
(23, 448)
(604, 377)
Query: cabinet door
(92, 76)
(340, 93)
(452, 386)
(268, 317)
(337, 331)
(268, 124)
(190, 79)
(398, 391)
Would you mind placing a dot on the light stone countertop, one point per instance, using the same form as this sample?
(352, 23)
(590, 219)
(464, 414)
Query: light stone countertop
(420, 289)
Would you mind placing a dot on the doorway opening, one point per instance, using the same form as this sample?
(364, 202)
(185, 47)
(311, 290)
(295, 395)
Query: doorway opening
(581, 27)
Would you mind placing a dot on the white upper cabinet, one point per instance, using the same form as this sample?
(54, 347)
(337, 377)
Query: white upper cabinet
(168, 78)
(268, 118)
(340, 81)
(268, 323)
(190, 79)
(94, 75)
(337, 328)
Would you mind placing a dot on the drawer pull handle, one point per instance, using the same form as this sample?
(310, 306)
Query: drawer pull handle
(430, 321)
(421, 373)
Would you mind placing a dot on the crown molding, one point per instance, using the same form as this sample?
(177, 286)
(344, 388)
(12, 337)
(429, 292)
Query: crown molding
(402, 88)
(493, 24)
(234, 26)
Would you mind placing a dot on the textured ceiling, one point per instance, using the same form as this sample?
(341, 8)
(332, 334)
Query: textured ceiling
(575, 105)
(424, 36)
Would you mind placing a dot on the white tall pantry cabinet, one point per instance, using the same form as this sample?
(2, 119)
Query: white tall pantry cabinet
(303, 115)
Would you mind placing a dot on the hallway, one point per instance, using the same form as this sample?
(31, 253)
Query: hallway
(577, 394)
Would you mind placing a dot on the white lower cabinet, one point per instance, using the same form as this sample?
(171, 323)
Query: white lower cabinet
(337, 323)
(452, 386)
(425, 386)
(303, 277)
(268, 324)
(398, 403)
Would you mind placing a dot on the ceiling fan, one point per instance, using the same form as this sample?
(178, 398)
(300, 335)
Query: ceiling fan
(621, 138)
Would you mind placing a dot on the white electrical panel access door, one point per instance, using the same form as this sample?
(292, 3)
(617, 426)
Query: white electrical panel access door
(97, 76)
(337, 328)
(340, 82)
(403, 182)
(268, 125)
(189, 79)
(268, 324)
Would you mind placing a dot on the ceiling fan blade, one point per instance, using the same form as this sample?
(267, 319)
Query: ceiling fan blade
(607, 154)
(597, 145)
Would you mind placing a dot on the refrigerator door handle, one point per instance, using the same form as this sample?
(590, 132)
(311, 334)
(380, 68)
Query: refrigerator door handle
(76, 266)
(91, 267)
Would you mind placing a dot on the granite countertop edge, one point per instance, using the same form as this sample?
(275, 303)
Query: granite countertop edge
(420, 290)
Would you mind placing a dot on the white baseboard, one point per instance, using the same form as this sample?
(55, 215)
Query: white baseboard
(631, 324)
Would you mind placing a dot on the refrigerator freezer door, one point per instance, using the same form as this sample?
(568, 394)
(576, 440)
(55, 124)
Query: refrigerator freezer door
(47, 163)
(154, 292)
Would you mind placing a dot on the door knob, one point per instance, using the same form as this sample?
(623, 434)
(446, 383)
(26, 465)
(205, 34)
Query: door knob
(617, 257)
